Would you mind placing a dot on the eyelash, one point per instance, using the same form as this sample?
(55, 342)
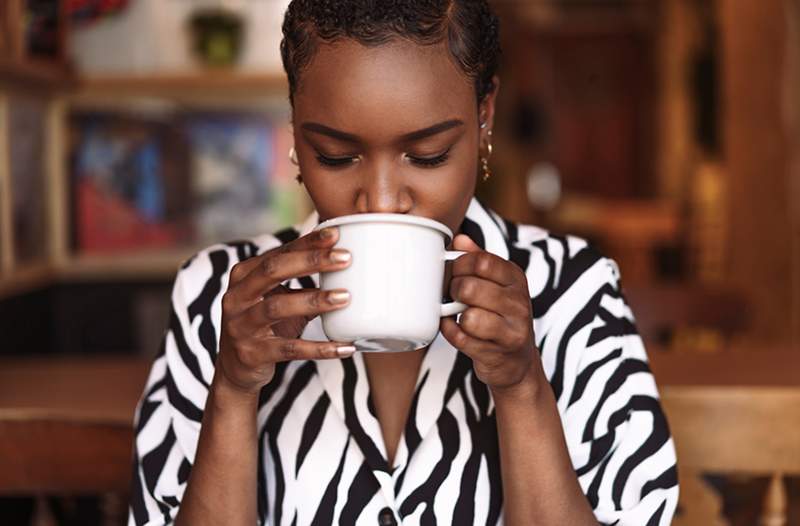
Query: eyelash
(335, 162)
(427, 162)
(431, 161)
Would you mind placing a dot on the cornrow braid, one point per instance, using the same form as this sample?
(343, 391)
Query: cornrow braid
(470, 28)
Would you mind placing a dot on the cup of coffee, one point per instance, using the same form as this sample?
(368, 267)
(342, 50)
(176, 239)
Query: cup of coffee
(394, 279)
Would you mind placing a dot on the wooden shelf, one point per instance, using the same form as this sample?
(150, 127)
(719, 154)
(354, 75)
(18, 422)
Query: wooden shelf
(38, 74)
(556, 18)
(141, 265)
(637, 222)
(138, 265)
(225, 88)
(209, 90)
(25, 279)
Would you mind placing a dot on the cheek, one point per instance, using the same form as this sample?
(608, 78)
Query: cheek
(332, 196)
(446, 196)
(446, 187)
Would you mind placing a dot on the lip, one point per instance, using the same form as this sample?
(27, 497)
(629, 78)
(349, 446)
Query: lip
(388, 218)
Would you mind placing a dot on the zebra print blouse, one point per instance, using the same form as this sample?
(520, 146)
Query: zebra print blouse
(322, 460)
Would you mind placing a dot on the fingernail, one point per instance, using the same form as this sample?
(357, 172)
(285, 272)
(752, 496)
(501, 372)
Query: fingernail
(340, 256)
(339, 296)
(345, 351)
(327, 233)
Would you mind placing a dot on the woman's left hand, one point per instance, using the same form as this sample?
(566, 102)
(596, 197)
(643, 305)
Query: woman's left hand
(496, 330)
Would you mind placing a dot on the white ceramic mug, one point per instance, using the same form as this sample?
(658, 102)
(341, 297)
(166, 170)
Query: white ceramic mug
(394, 279)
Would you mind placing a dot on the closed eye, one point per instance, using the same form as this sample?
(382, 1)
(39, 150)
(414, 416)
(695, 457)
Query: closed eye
(430, 161)
(335, 161)
(427, 162)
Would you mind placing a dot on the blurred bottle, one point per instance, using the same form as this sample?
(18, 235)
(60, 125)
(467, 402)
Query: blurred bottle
(708, 213)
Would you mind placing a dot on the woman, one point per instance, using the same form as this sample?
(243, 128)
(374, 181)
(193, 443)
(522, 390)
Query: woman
(536, 407)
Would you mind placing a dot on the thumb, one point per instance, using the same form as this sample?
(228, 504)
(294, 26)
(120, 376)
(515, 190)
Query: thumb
(463, 242)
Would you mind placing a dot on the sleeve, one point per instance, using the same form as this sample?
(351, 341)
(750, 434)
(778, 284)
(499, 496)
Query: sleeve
(616, 432)
(168, 415)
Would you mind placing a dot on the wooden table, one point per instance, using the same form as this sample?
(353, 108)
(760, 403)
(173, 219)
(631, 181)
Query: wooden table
(732, 412)
(88, 388)
(772, 366)
(108, 388)
(704, 396)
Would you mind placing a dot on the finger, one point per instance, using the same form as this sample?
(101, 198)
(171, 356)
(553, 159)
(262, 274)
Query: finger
(307, 303)
(485, 325)
(243, 321)
(282, 350)
(469, 345)
(465, 243)
(488, 266)
(286, 265)
(324, 238)
(479, 292)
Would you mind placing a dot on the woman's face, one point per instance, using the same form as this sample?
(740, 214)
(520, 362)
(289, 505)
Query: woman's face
(393, 128)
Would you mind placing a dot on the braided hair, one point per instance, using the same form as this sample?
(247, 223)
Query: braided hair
(469, 27)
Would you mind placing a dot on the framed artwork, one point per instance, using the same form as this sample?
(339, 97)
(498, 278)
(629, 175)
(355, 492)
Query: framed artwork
(129, 180)
(178, 180)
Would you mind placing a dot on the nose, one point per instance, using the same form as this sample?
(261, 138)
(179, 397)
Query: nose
(384, 190)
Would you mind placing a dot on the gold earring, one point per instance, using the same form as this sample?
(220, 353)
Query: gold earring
(487, 173)
(293, 156)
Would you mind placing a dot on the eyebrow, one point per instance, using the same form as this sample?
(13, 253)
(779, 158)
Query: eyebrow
(408, 137)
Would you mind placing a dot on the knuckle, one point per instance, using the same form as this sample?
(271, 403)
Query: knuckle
(468, 318)
(460, 338)
(245, 356)
(455, 288)
(468, 289)
(475, 323)
(314, 299)
(228, 301)
(314, 258)
(324, 352)
(272, 308)
(237, 272)
(288, 349)
(232, 331)
(483, 263)
(240, 351)
(269, 266)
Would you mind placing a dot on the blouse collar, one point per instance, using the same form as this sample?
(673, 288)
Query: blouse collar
(347, 379)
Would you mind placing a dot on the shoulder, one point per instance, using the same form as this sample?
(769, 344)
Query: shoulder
(559, 266)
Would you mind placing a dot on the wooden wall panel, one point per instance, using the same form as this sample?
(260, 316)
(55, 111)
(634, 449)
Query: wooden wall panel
(756, 156)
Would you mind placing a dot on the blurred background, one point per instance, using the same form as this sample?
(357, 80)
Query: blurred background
(133, 132)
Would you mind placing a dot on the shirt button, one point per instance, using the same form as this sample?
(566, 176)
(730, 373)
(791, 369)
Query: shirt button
(386, 518)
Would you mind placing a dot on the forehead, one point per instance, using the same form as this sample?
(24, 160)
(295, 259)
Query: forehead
(396, 87)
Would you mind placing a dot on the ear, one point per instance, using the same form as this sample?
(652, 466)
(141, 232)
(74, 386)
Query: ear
(486, 110)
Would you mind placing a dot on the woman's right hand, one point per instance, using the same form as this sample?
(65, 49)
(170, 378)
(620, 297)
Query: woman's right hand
(262, 320)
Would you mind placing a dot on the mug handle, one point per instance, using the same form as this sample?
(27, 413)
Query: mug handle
(454, 307)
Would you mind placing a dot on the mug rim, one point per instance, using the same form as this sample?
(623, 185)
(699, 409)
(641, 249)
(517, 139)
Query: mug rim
(404, 219)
